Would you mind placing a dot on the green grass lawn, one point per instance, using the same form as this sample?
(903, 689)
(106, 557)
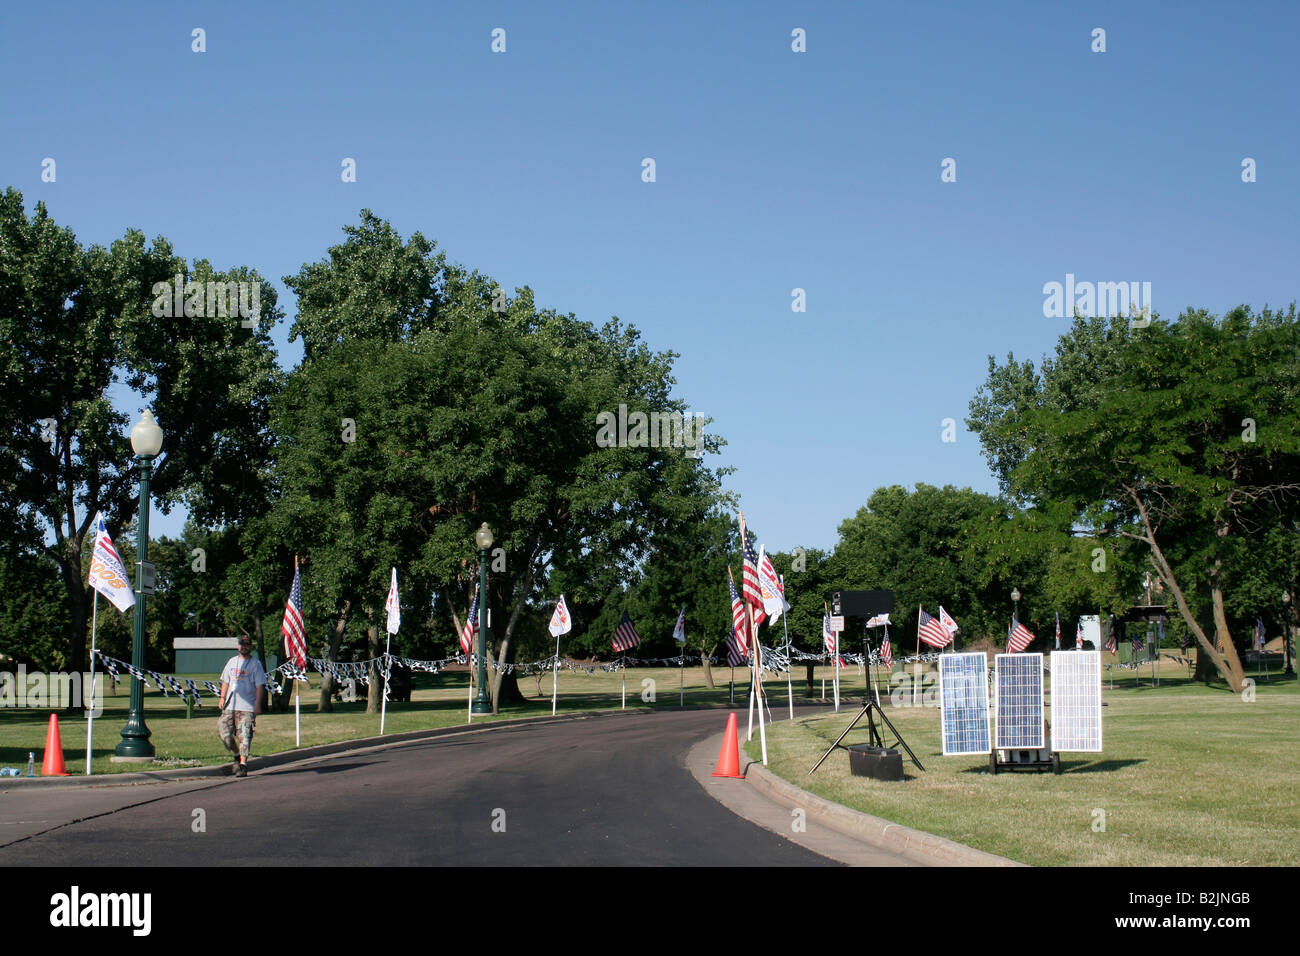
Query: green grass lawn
(437, 701)
(1190, 776)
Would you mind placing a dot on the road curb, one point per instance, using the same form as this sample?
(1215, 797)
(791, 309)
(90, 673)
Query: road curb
(916, 845)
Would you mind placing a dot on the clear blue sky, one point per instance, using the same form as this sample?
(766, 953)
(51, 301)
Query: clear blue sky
(775, 170)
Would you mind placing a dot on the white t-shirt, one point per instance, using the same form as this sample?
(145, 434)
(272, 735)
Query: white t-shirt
(242, 679)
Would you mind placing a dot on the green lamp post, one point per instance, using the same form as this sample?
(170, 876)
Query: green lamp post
(146, 442)
(482, 538)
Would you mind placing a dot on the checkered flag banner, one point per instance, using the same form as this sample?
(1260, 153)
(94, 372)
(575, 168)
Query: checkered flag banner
(109, 663)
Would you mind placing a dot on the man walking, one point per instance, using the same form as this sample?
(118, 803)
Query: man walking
(243, 690)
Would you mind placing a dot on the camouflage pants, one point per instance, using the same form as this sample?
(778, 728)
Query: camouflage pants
(236, 725)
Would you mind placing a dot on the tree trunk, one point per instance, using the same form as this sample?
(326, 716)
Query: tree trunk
(708, 668)
(1205, 670)
(1222, 662)
(375, 691)
(326, 704)
(1236, 673)
(79, 653)
(258, 636)
(809, 670)
(504, 688)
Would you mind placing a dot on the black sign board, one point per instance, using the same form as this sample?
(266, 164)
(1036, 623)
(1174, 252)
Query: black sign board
(863, 604)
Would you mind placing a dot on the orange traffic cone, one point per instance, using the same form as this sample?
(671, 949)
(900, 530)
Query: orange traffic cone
(53, 765)
(729, 759)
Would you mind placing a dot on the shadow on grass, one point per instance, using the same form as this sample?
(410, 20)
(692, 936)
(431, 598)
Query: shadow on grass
(1098, 766)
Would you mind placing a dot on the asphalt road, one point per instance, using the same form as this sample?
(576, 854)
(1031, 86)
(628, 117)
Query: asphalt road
(597, 792)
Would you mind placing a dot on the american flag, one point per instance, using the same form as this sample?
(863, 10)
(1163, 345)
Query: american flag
(1111, 645)
(1259, 633)
(828, 636)
(1160, 632)
(752, 592)
(1019, 638)
(737, 614)
(931, 631)
(1078, 636)
(625, 635)
(295, 637)
(470, 631)
(1137, 641)
(736, 654)
(1058, 630)
(886, 652)
(1187, 641)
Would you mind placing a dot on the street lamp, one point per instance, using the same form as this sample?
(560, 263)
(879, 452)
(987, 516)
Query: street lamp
(482, 538)
(1015, 597)
(146, 442)
(1286, 635)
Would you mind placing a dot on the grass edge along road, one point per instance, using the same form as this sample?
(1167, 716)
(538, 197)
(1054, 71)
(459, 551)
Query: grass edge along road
(1189, 776)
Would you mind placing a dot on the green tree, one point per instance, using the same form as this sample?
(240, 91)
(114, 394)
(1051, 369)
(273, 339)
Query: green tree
(74, 323)
(1182, 436)
(464, 406)
(911, 542)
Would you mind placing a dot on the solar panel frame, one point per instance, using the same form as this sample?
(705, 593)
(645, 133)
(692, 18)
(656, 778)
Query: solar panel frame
(1018, 702)
(964, 727)
(1076, 701)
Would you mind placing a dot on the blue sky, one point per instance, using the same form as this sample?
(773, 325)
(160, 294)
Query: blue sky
(775, 170)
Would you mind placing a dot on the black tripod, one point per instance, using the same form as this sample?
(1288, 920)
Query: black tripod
(869, 707)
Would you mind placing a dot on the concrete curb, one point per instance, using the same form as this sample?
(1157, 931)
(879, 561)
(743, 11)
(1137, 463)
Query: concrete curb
(916, 845)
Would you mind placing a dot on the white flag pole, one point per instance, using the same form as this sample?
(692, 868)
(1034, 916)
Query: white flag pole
(750, 735)
(555, 673)
(623, 661)
(789, 662)
(916, 667)
(297, 713)
(383, 704)
(758, 691)
(90, 715)
(835, 670)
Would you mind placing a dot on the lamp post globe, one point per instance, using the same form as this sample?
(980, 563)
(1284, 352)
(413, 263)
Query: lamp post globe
(1015, 599)
(483, 539)
(146, 442)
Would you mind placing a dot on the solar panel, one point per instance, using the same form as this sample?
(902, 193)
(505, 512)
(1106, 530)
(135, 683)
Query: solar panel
(964, 703)
(1018, 702)
(1076, 701)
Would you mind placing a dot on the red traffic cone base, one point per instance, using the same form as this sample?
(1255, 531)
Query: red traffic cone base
(53, 764)
(729, 759)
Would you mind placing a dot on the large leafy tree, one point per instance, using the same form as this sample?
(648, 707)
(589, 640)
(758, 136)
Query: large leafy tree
(74, 323)
(911, 542)
(1183, 436)
(465, 406)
